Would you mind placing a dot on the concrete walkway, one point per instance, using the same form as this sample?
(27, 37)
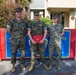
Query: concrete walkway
(68, 67)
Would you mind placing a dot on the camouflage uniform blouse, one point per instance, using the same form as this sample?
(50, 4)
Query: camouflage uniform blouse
(37, 27)
(17, 28)
(55, 31)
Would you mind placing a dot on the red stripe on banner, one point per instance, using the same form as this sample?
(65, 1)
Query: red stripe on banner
(2, 43)
(72, 48)
(75, 43)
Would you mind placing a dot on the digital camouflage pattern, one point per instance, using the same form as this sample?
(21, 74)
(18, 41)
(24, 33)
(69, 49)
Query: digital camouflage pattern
(55, 40)
(37, 28)
(40, 48)
(18, 33)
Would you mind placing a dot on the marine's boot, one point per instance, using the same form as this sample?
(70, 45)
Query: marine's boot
(13, 68)
(57, 65)
(31, 66)
(46, 67)
(50, 65)
(23, 67)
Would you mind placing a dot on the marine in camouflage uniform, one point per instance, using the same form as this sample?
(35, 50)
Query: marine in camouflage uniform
(55, 33)
(37, 27)
(17, 29)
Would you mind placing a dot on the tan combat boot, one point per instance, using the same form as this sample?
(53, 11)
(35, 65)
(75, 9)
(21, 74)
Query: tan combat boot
(13, 68)
(23, 67)
(50, 65)
(57, 65)
(31, 66)
(45, 66)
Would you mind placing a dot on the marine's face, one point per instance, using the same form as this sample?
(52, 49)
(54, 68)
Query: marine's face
(18, 14)
(36, 17)
(55, 20)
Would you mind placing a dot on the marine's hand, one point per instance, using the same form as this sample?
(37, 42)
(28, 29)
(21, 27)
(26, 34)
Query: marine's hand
(33, 42)
(42, 41)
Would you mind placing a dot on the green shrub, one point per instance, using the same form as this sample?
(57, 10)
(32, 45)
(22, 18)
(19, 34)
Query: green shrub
(7, 10)
(46, 21)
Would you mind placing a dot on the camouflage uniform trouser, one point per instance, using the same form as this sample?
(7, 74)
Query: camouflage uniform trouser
(55, 46)
(41, 48)
(15, 44)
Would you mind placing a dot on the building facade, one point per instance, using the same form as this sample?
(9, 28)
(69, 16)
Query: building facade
(65, 9)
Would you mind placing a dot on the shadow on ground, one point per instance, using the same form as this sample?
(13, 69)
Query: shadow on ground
(68, 67)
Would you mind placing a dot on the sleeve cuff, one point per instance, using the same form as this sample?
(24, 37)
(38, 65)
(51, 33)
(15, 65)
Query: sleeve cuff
(8, 26)
(45, 28)
(29, 29)
(63, 30)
